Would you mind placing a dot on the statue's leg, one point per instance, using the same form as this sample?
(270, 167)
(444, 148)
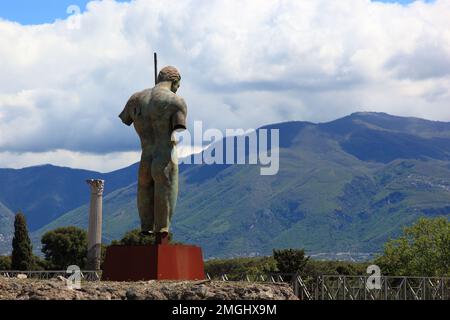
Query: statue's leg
(173, 192)
(145, 194)
(165, 175)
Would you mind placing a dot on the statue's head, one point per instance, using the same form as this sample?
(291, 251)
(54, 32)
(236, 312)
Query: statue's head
(171, 74)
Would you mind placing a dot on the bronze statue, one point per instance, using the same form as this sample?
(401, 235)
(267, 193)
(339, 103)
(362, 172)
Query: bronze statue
(156, 113)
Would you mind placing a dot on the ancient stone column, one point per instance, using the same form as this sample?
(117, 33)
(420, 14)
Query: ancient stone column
(95, 224)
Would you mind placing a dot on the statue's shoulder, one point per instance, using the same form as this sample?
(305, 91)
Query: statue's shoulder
(133, 107)
(141, 95)
(168, 96)
(179, 101)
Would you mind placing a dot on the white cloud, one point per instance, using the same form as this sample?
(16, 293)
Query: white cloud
(64, 158)
(243, 63)
(97, 162)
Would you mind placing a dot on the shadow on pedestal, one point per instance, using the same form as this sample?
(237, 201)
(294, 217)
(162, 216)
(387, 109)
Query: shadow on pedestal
(153, 262)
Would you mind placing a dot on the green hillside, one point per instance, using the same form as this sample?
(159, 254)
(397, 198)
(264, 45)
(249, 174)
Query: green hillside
(6, 228)
(52, 191)
(343, 186)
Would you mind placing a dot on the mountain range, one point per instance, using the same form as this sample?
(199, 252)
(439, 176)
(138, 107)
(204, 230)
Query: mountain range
(343, 186)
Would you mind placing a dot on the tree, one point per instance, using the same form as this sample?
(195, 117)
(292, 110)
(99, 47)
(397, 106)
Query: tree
(290, 260)
(237, 268)
(422, 250)
(64, 247)
(39, 264)
(316, 268)
(22, 255)
(5, 263)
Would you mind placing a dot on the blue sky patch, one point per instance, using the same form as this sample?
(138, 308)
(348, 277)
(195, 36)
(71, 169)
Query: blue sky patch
(38, 12)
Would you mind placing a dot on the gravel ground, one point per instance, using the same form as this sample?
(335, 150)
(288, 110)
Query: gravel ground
(56, 289)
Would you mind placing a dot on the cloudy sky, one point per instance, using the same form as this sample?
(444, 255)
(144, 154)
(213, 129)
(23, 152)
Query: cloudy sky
(64, 79)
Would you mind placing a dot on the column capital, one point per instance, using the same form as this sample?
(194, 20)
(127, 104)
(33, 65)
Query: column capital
(97, 186)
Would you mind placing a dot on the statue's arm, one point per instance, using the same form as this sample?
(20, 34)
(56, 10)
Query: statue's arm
(179, 117)
(131, 106)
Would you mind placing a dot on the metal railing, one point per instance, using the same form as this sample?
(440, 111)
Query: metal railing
(391, 288)
(335, 287)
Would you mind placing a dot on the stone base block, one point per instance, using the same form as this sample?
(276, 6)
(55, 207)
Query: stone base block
(153, 262)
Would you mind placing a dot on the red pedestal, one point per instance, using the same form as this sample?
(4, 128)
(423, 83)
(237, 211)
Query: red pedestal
(153, 262)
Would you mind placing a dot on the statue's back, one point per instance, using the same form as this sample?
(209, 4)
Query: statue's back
(161, 109)
(155, 113)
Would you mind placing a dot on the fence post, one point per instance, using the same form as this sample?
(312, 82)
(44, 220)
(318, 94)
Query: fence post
(386, 288)
(424, 293)
(316, 288)
(295, 279)
(323, 289)
(344, 283)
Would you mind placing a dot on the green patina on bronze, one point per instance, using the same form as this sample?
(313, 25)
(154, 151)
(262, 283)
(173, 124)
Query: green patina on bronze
(156, 113)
